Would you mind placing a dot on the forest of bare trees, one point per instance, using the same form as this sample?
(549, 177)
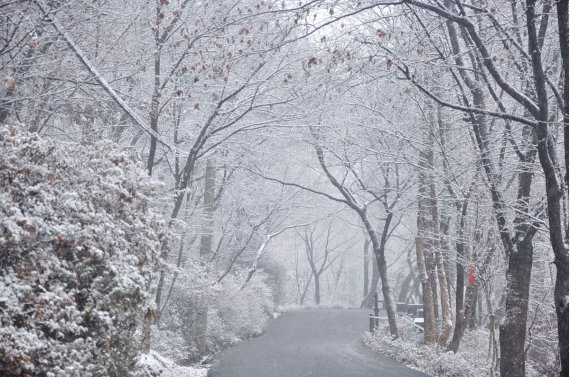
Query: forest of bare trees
(301, 154)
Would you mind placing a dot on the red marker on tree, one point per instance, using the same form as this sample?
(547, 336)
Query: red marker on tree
(471, 276)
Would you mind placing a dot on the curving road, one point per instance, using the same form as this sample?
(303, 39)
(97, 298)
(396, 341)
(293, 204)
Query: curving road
(316, 343)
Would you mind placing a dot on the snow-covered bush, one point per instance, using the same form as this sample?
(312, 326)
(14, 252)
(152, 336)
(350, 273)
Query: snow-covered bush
(176, 336)
(234, 314)
(409, 349)
(77, 246)
(237, 313)
(472, 359)
(155, 365)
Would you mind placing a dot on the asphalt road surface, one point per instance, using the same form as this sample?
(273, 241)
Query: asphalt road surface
(316, 343)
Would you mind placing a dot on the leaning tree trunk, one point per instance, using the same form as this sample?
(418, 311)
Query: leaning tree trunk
(378, 248)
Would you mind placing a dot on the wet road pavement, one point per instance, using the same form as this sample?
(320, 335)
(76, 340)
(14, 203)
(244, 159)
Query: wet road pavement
(316, 343)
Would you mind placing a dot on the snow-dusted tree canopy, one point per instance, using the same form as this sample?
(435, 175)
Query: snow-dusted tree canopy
(305, 153)
(78, 241)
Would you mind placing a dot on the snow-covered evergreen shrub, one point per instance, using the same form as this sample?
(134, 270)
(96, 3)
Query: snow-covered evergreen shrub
(77, 246)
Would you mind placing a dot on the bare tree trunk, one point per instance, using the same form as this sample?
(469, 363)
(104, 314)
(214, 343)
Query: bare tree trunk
(206, 251)
(562, 12)
(432, 273)
(555, 193)
(301, 288)
(446, 253)
(317, 289)
(421, 245)
(436, 244)
(155, 103)
(493, 346)
(513, 329)
(471, 313)
(366, 264)
(518, 249)
(378, 248)
(429, 318)
(305, 290)
(460, 282)
(367, 302)
(383, 272)
(147, 323)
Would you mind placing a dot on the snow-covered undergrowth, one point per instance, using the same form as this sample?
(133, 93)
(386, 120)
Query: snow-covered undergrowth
(154, 364)
(78, 242)
(471, 360)
(234, 314)
(238, 314)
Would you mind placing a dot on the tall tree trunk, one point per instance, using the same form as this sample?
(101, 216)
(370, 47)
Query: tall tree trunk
(428, 232)
(446, 253)
(432, 273)
(557, 240)
(548, 160)
(206, 251)
(515, 244)
(471, 312)
(317, 289)
(421, 246)
(367, 302)
(562, 12)
(379, 247)
(305, 290)
(518, 248)
(366, 264)
(155, 103)
(561, 288)
(513, 329)
(375, 279)
(446, 325)
(460, 281)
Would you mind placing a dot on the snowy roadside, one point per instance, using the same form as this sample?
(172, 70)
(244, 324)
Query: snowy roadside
(409, 349)
(473, 359)
(155, 365)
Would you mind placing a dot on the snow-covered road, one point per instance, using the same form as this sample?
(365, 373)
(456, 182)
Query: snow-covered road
(316, 343)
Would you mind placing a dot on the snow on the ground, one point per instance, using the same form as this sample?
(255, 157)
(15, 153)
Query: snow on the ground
(409, 349)
(163, 367)
(179, 371)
